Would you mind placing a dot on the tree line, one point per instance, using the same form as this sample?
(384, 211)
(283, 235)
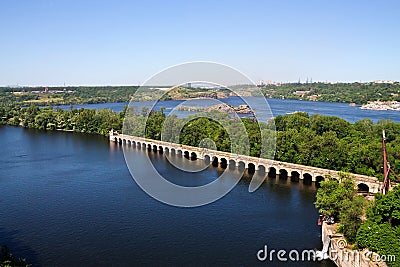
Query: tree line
(359, 93)
(78, 120)
(319, 141)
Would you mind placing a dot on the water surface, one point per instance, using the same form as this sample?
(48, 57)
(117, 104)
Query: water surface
(68, 199)
(277, 106)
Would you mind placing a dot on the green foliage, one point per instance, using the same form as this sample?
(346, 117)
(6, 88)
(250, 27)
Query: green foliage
(339, 200)
(154, 125)
(351, 211)
(82, 120)
(359, 93)
(333, 143)
(386, 208)
(9, 260)
(319, 141)
(328, 198)
(381, 231)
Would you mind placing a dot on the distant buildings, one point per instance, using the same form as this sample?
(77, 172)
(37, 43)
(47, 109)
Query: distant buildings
(301, 93)
(385, 81)
(262, 83)
(46, 91)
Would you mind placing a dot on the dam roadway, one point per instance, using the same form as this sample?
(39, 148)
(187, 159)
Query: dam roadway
(364, 183)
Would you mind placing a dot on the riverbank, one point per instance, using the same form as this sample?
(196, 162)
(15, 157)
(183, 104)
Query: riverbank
(342, 254)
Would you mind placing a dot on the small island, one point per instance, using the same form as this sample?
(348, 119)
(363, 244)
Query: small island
(225, 108)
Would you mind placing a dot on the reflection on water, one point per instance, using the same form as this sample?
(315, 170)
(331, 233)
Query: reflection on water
(68, 199)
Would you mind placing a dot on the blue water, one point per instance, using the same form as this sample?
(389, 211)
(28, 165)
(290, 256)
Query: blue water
(67, 199)
(277, 106)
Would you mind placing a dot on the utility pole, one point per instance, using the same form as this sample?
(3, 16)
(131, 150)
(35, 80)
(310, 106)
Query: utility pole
(386, 167)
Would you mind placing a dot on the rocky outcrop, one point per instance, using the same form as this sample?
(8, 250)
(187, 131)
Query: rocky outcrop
(241, 109)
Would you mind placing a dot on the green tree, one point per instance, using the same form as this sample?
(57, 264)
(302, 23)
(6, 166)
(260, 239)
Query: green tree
(9, 260)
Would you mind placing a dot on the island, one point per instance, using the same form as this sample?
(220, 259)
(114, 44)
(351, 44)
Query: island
(225, 108)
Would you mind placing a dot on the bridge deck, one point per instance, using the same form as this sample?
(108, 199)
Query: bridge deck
(373, 183)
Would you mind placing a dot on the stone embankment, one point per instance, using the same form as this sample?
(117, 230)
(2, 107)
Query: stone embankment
(343, 255)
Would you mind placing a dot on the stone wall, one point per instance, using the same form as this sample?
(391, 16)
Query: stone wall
(343, 256)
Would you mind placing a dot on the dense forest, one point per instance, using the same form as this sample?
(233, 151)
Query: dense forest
(78, 120)
(316, 140)
(359, 93)
(65, 95)
(365, 224)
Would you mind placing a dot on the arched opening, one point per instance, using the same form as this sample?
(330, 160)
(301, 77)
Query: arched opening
(179, 152)
(129, 143)
(161, 149)
(115, 139)
(120, 141)
(224, 163)
(295, 176)
(283, 174)
(133, 143)
(166, 150)
(186, 154)
(124, 141)
(251, 168)
(318, 180)
(173, 151)
(261, 169)
(193, 156)
(154, 147)
(363, 188)
(272, 172)
(215, 161)
(232, 164)
(144, 145)
(307, 179)
(241, 165)
(207, 159)
(149, 147)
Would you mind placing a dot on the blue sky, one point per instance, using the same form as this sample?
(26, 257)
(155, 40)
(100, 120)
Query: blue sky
(125, 42)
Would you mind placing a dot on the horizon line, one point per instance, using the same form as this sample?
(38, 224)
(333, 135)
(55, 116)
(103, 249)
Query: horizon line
(269, 82)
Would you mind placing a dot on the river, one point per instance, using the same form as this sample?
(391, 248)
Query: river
(277, 106)
(67, 199)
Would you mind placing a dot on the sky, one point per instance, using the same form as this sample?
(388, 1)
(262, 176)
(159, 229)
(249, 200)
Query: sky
(126, 42)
